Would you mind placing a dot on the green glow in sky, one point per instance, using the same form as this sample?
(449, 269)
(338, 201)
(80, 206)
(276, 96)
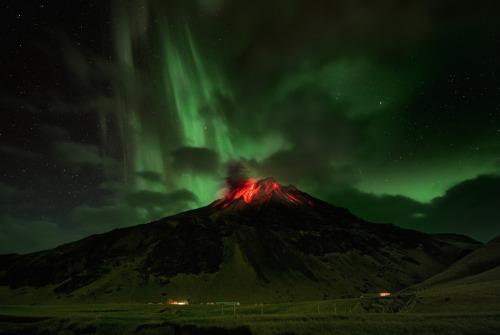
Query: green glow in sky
(188, 88)
(130, 110)
(326, 119)
(423, 184)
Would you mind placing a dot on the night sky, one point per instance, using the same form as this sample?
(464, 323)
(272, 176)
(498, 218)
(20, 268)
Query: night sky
(116, 113)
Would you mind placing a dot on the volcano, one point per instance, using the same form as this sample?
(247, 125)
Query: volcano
(257, 192)
(262, 242)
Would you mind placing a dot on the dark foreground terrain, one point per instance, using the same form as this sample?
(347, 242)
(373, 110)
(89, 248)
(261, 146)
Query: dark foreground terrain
(460, 309)
(296, 264)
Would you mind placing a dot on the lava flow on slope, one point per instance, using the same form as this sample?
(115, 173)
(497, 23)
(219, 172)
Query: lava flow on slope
(252, 190)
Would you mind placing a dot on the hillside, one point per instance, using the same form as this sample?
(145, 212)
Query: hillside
(263, 242)
(482, 265)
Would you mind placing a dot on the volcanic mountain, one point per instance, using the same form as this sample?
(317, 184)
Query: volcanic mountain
(263, 242)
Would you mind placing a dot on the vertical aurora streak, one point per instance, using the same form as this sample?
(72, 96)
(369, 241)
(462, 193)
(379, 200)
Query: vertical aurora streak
(185, 87)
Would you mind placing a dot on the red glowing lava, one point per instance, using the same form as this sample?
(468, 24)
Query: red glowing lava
(252, 190)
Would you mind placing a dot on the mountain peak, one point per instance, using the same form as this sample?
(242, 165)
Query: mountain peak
(251, 191)
(261, 242)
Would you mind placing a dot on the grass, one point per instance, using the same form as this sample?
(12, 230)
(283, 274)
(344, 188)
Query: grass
(407, 314)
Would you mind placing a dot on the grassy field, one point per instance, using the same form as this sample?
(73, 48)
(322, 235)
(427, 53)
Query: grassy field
(429, 312)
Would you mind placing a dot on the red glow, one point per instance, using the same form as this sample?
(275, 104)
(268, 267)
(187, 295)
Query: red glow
(246, 190)
(252, 190)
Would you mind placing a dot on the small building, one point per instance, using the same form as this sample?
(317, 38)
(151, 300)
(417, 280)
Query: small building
(384, 293)
(175, 302)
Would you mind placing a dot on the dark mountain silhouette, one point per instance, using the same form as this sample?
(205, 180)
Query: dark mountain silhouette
(262, 243)
(481, 265)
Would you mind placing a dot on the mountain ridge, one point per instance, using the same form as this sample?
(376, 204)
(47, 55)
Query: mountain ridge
(262, 246)
(482, 264)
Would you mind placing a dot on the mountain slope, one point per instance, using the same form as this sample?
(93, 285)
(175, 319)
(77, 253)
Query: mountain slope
(262, 242)
(480, 265)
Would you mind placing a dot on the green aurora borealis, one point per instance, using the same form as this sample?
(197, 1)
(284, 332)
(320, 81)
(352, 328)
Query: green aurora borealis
(135, 108)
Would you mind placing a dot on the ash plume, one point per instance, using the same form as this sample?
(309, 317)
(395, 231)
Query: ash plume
(236, 174)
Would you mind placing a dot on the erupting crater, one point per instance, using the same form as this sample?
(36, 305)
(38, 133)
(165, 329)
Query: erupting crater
(258, 191)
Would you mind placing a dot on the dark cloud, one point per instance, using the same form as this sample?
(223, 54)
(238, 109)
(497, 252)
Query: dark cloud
(23, 236)
(78, 153)
(132, 208)
(497, 166)
(353, 105)
(290, 166)
(236, 174)
(196, 160)
(263, 36)
(324, 124)
(399, 210)
(26, 224)
(156, 205)
(150, 176)
(101, 219)
(319, 134)
(147, 199)
(469, 208)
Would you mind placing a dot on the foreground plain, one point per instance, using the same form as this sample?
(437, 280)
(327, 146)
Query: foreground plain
(461, 309)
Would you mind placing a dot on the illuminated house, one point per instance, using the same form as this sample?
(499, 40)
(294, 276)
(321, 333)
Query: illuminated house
(180, 302)
(384, 293)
